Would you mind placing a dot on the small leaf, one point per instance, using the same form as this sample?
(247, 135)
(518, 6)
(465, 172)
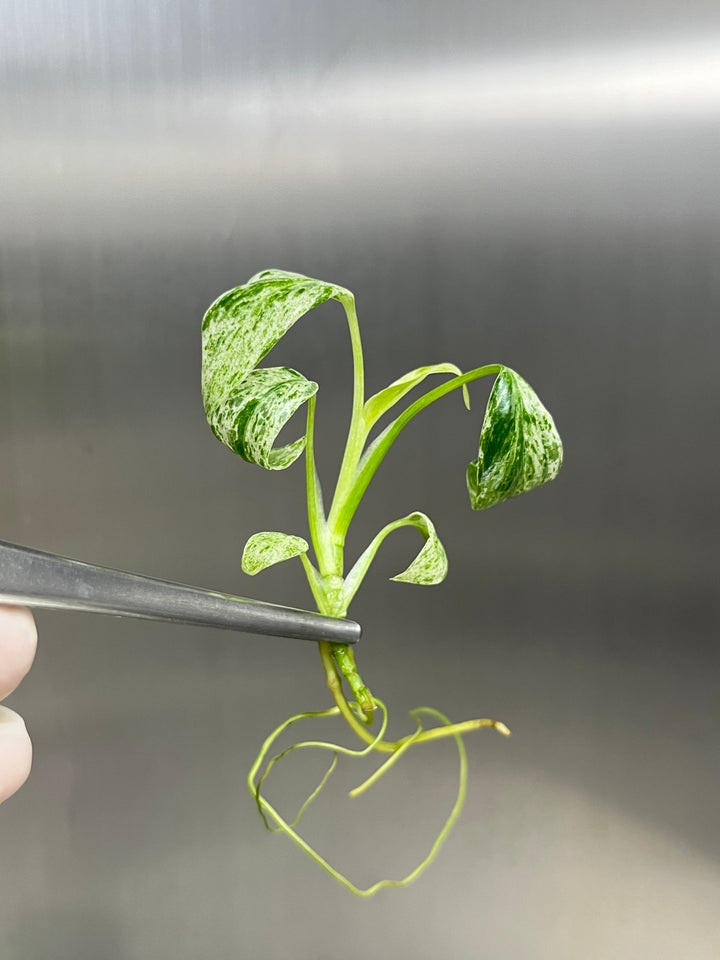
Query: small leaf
(247, 407)
(429, 567)
(520, 448)
(381, 402)
(264, 549)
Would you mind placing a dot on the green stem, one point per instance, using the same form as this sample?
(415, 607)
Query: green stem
(345, 660)
(385, 746)
(315, 581)
(356, 433)
(328, 546)
(334, 684)
(319, 533)
(342, 513)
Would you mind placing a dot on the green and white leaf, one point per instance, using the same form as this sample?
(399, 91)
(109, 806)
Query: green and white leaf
(520, 448)
(381, 402)
(429, 567)
(247, 407)
(265, 549)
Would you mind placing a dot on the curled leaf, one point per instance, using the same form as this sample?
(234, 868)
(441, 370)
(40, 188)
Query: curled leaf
(265, 549)
(247, 407)
(381, 402)
(520, 448)
(258, 410)
(429, 567)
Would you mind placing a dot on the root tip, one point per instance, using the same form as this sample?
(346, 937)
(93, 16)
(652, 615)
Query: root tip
(501, 728)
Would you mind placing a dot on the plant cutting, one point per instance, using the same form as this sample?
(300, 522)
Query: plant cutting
(247, 406)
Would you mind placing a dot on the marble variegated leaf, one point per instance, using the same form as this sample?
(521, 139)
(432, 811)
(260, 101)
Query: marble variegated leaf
(429, 566)
(247, 407)
(520, 448)
(264, 549)
(381, 402)
(256, 411)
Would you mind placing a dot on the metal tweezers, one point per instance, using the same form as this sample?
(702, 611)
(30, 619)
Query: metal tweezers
(36, 579)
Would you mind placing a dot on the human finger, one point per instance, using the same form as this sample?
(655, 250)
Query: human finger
(18, 642)
(15, 753)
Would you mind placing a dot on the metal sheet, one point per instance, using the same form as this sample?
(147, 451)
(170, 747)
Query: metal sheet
(533, 184)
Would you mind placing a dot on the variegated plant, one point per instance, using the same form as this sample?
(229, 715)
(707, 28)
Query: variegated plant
(247, 406)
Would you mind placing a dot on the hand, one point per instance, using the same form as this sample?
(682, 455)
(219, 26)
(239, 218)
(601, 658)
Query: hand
(18, 640)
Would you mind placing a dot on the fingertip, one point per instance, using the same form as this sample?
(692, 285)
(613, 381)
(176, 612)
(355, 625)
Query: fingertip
(15, 753)
(18, 644)
(21, 622)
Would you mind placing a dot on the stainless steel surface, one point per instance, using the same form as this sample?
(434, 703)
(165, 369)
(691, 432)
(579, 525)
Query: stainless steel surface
(38, 579)
(534, 183)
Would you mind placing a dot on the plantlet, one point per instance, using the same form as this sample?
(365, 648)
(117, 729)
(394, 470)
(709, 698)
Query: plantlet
(247, 406)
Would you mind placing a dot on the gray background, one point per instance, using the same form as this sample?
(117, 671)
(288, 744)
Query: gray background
(530, 183)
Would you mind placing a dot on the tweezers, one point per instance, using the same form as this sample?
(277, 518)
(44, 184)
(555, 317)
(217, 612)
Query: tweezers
(36, 579)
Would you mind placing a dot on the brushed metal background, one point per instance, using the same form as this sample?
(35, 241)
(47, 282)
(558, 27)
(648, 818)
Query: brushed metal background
(530, 183)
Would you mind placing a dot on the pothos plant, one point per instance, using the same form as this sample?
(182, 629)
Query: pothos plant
(248, 405)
